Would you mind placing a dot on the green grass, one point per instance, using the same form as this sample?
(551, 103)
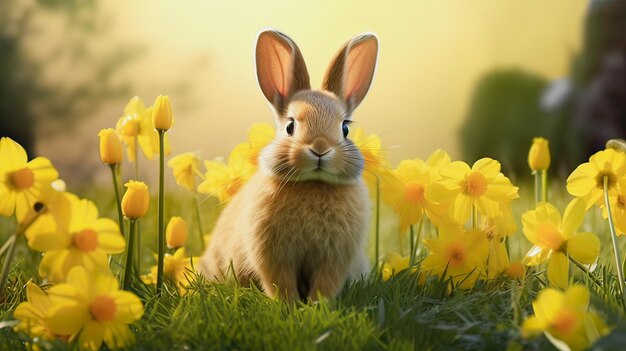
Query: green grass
(398, 314)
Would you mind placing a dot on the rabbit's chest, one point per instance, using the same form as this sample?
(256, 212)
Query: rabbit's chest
(313, 219)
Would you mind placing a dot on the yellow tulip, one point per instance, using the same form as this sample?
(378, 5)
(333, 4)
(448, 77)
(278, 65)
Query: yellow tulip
(162, 113)
(176, 232)
(136, 200)
(539, 155)
(110, 147)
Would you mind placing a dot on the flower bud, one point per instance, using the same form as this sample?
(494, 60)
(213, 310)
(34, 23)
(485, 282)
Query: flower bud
(162, 113)
(176, 232)
(136, 200)
(110, 147)
(539, 155)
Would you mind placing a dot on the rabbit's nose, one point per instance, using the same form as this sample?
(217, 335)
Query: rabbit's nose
(320, 147)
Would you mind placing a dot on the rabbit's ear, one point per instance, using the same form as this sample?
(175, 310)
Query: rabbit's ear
(350, 74)
(280, 68)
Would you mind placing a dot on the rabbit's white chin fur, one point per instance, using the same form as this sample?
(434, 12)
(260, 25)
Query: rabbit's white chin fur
(325, 176)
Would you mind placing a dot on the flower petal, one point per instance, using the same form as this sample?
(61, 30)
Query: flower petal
(488, 167)
(584, 247)
(128, 307)
(558, 270)
(573, 217)
(582, 180)
(67, 318)
(91, 336)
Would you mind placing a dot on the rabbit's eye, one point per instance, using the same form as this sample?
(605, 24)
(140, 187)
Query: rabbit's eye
(290, 126)
(345, 128)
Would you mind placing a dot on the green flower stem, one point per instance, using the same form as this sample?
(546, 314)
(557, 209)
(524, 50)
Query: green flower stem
(415, 241)
(377, 226)
(199, 220)
(118, 199)
(411, 244)
(618, 258)
(537, 186)
(130, 248)
(544, 185)
(4, 277)
(138, 246)
(474, 217)
(160, 219)
(585, 270)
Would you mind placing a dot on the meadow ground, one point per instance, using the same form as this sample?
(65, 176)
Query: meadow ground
(397, 314)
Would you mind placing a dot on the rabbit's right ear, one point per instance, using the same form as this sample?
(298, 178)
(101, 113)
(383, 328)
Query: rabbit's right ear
(350, 74)
(280, 68)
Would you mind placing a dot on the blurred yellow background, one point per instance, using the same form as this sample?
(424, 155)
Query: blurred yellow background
(431, 55)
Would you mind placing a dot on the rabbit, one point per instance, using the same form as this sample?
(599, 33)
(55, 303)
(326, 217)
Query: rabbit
(298, 228)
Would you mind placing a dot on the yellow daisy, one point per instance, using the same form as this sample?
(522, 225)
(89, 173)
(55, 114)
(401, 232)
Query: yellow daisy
(587, 180)
(90, 307)
(405, 190)
(21, 181)
(87, 240)
(554, 239)
(460, 254)
(178, 268)
(135, 127)
(186, 167)
(482, 186)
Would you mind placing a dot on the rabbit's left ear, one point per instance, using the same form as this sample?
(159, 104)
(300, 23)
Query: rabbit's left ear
(350, 74)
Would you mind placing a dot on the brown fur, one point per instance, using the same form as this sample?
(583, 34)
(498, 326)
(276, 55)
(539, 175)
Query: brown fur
(299, 227)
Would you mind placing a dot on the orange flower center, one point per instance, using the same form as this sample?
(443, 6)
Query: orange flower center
(565, 322)
(22, 178)
(549, 236)
(86, 240)
(516, 270)
(414, 192)
(233, 187)
(475, 184)
(456, 253)
(103, 308)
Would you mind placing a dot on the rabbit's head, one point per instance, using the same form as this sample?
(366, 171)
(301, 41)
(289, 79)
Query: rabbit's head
(312, 139)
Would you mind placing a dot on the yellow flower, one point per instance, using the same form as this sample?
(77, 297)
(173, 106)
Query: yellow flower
(186, 167)
(587, 180)
(516, 270)
(539, 155)
(482, 186)
(405, 190)
(259, 136)
(460, 254)
(496, 230)
(136, 127)
(224, 181)
(565, 317)
(376, 164)
(162, 113)
(90, 306)
(32, 313)
(394, 264)
(136, 200)
(21, 181)
(86, 241)
(554, 239)
(176, 232)
(178, 268)
(110, 147)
